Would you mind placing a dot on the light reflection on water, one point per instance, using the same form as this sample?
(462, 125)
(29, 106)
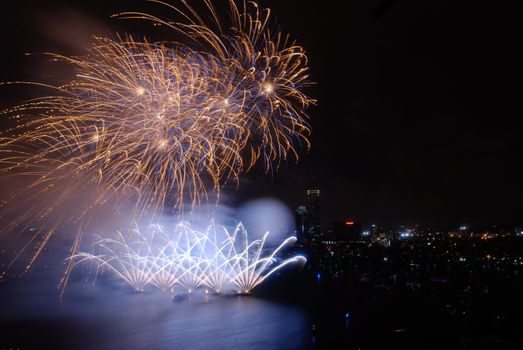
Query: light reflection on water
(108, 317)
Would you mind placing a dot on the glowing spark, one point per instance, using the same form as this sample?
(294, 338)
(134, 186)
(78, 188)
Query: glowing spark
(268, 88)
(143, 125)
(214, 259)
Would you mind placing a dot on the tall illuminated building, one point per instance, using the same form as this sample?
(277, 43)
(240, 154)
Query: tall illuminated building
(313, 206)
(308, 217)
(302, 223)
(312, 201)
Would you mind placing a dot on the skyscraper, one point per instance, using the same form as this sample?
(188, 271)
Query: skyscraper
(302, 223)
(308, 217)
(313, 208)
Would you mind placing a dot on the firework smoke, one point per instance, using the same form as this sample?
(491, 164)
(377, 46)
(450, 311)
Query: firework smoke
(214, 259)
(147, 126)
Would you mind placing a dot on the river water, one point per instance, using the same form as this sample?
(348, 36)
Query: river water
(108, 316)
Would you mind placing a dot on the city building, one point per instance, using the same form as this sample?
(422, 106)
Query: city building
(347, 231)
(308, 217)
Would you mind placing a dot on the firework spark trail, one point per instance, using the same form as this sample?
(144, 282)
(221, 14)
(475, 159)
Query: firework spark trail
(153, 125)
(188, 258)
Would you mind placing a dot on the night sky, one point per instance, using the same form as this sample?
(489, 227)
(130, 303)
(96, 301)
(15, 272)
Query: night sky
(417, 120)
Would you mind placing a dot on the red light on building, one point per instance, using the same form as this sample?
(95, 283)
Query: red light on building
(349, 223)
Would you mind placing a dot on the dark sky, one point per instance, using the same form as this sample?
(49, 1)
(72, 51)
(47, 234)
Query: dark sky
(417, 121)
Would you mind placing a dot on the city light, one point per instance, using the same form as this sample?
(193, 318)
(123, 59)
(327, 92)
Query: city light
(406, 234)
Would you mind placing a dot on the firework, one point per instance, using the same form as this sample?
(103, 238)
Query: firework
(151, 126)
(214, 259)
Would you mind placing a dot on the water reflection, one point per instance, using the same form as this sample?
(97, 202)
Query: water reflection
(105, 316)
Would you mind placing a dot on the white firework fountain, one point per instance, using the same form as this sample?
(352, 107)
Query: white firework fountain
(215, 259)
